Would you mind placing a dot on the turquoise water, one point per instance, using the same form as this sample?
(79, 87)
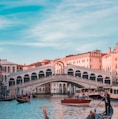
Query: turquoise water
(55, 110)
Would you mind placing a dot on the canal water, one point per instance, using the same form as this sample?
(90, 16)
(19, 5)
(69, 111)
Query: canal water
(55, 110)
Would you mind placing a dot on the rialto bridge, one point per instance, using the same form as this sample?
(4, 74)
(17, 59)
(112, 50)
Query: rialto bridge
(45, 76)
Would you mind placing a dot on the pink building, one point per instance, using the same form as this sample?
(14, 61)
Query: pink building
(110, 62)
(91, 59)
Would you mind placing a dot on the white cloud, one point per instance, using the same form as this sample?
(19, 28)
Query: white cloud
(66, 22)
(4, 22)
(1, 49)
(95, 45)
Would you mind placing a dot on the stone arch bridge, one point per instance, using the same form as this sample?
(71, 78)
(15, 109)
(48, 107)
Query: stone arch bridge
(77, 81)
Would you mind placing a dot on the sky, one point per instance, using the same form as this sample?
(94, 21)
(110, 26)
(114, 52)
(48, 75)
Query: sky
(34, 30)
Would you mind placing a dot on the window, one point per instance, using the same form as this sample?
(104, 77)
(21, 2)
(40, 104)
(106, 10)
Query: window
(116, 66)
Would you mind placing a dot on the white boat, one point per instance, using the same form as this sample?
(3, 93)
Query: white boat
(113, 91)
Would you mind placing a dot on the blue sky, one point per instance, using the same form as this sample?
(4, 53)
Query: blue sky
(33, 30)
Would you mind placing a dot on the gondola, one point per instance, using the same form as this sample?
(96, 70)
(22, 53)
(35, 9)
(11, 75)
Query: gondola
(6, 99)
(108, 116)
(23, 99)
(103, 115)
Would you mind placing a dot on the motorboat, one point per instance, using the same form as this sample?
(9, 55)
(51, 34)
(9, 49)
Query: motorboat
(95, 95)
(77, 101)
(113, 91)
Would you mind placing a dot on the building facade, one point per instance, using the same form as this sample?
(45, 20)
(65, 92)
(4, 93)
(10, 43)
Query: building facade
(6, 69)
(110, 63)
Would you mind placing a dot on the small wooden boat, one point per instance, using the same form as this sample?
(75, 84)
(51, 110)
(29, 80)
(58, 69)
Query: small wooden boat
(23, 99)
(81, 101)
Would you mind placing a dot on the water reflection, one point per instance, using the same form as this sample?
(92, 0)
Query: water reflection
(55, 110)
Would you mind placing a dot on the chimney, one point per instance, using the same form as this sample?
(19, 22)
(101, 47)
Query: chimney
(116, 46)
(109, 50)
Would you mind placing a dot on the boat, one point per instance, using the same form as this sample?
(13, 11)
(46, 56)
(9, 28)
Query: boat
(101, 115)
(92, 93)
(95, 95)
(23, 99)
(6, 99)
(113, 92)
(79, 101)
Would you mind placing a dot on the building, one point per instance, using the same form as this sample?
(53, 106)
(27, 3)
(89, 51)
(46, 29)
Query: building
(6, 69)
(36, 64)
(110, 63)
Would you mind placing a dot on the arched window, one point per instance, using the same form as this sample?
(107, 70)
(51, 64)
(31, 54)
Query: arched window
(78, 73)
(34, 76)
(26, 78)
(100, 78)
(107, 80)
(85, 75)
(13, 69)
(11, 82)
(70, 72)
(92, 76)
(19, 80)
(8, 69)
(48, 72)
(41, 74)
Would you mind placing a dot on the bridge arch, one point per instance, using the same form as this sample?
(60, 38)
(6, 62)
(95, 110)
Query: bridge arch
(33, 76)
(100, 78)
(41, 74)
(78, 73)
(92, 76)
(26, 78)
(18, 80)
(59, 67)
(85, 75)
(70, 72)
(107, 80)
(48, 72)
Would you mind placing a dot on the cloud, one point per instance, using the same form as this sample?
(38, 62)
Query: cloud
(65, 23)
(1, 49)
(4, 22)
(73, 20)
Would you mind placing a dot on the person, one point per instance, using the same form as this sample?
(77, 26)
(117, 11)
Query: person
(45, 112)
(91, 115)
(97, 115)
(107, 102)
